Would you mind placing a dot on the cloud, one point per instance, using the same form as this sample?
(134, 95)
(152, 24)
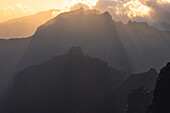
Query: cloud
(24, 9)
(56, 12)
(78, 6)
(16, 11)
(155, 12)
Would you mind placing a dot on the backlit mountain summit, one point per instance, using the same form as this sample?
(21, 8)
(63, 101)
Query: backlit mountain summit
(133, 47)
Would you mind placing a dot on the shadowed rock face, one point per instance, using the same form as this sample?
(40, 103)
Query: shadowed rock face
(138, 100)
(71, 83)
(161, 100)
(122, 90)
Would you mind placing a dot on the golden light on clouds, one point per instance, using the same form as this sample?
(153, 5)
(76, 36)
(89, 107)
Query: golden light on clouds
(15, 11)
(90, 3)
(163, 1)
(121, 10)
(135, 8)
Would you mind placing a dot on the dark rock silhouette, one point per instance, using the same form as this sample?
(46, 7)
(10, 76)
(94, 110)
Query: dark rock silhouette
(122, 90)
(138, 100)
(70, 83)
(161, 100)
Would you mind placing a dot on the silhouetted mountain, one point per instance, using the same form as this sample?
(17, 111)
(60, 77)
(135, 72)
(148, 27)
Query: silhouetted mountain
(161, 100)
(138, 100)
(123, 89)
(70, 83)
(134, 47)
(24, 26)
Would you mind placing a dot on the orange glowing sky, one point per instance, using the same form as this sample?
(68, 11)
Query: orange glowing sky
(10, 9)
(18, 8)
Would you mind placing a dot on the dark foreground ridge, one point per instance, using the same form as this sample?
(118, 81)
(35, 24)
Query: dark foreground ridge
(70, 83)
(161, 101)
(138, 100)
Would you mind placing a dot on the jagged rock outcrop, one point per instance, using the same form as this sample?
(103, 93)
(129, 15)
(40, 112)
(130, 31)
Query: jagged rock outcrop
(161, 100)
(70, 83)
(138, 100)
(121, 91)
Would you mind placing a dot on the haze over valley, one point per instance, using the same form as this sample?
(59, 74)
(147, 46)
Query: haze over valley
(81, 56)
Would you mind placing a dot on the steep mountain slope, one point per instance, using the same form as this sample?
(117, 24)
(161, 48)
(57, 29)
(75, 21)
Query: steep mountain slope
(138, 100)
(134, 47)
(24, 26)
(161, 100)
(71, 83)
(122, 90)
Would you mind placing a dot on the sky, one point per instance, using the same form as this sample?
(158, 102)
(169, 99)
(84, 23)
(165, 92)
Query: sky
(155, 12)
(17, 8)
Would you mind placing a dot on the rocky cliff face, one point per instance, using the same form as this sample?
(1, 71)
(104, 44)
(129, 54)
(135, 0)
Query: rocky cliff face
(138, 100)
(161, 100)
(147, 79)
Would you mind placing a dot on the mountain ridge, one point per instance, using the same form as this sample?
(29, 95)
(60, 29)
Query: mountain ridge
(125, 43)
(24, 26)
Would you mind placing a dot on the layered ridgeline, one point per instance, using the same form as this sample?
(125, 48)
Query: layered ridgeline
(25, 26)
(70, 83)
(134, 47)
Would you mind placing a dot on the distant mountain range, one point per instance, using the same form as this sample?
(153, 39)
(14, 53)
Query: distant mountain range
(42, 77)
(71, 83)
(25, 26)
(135, 47)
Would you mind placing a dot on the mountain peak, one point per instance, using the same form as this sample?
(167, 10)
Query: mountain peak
(75, 51)
(81, 9)
(165, 69)
(152, 70)
(107, 15)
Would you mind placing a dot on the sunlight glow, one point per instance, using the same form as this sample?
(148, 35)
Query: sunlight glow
(90, 3)
(163, 1)
(136, 8)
